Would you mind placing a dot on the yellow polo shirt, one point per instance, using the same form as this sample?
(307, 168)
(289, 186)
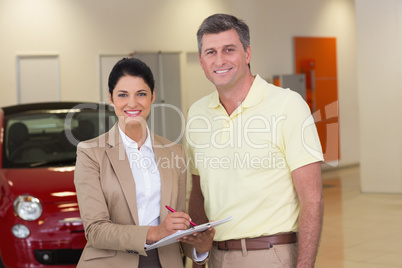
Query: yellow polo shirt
(245, 160)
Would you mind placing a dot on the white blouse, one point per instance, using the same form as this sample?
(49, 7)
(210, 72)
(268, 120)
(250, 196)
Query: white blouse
(147, 182)
(147, 179)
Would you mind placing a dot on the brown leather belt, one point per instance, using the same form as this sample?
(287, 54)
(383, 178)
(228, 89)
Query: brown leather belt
(258, 243)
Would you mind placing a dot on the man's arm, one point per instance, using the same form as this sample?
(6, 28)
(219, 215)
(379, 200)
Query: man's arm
(202, 241)
(308, 184)
(196, 206)
(196, 203)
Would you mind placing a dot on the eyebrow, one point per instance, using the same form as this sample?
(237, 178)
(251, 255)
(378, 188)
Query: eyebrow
(225, 46)
(126, 91)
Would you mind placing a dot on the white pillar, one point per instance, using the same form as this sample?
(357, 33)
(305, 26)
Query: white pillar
(379, 79)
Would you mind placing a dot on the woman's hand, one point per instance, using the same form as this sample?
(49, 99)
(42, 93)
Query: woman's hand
(173, 222)
(202, 242)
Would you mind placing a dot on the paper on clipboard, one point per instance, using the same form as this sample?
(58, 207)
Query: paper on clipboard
(173, 238)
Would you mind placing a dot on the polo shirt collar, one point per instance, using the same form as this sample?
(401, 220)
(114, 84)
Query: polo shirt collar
(214, 103)
(254, 96)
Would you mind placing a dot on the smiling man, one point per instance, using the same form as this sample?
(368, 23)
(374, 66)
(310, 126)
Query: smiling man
(254, 155)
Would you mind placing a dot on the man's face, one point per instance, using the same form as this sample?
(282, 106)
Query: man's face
(223, 59)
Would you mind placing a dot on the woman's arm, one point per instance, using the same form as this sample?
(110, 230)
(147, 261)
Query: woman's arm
(101, 232)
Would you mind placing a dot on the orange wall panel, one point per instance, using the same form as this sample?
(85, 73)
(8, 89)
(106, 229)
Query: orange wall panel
(316, 58)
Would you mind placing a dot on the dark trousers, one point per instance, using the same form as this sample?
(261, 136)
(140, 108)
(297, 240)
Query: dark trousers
(150, 261)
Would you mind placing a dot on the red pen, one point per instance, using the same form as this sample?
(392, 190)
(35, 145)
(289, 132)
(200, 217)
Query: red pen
(172, 210)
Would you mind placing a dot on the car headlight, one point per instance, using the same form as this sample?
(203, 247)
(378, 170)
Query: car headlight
(20, 231)
(27, 207)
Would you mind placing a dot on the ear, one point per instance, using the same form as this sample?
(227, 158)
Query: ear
(248, 54)
(153, 97)
(110, 99)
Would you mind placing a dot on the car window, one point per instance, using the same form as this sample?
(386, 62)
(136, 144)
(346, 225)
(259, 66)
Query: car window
(50, 137)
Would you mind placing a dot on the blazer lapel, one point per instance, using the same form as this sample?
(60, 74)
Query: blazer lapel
(118, 158)
(164, 162)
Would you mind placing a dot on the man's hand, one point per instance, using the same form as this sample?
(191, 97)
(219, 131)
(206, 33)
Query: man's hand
(202, 242)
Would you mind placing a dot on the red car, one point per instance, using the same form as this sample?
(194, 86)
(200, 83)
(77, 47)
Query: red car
(40, 224)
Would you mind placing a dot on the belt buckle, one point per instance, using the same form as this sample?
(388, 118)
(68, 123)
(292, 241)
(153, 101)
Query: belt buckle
(226, 245)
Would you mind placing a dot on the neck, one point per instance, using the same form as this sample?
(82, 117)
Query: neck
(232, 96)
(136, 132)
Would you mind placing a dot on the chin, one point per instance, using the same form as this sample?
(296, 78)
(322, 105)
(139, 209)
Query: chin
(136, 121)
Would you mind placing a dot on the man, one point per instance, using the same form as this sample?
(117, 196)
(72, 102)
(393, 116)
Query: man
(254, 155)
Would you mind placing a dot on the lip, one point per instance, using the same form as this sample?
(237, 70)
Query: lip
(132, 113)
(222, 71)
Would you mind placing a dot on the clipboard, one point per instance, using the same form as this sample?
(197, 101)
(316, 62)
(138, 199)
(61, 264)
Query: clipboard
(179, 234)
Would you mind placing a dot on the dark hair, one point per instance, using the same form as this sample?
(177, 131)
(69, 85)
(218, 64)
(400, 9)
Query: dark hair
(218, 23)
(130, 67)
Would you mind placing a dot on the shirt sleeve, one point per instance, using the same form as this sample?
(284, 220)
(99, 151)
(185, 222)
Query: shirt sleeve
(199, 257)
(301, 143)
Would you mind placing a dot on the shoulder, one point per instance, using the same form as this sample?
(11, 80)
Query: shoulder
(95, 144)
(200, 105)
(167, 144)
(269, 92)
(286, 97)
(161, 140)
(294, 101)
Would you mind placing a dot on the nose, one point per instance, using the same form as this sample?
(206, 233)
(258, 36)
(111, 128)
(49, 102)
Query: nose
(132, 102)
(220, 59)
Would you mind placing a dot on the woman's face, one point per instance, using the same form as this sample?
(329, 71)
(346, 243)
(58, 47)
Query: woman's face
(132, 99)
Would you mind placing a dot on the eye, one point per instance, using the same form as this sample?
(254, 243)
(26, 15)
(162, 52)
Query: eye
(142, 94)
(122, 95)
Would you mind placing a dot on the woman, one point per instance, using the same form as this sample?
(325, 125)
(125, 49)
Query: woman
(121, 190)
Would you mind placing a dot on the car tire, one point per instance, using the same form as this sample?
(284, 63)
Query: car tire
(1, 264)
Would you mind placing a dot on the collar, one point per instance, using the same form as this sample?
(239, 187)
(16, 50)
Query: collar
(254, 96)
(129, 143)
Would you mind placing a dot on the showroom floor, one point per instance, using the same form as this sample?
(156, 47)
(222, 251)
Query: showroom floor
(360, 230)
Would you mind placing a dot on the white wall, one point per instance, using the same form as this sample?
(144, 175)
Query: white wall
(79, 30)
(379, 37)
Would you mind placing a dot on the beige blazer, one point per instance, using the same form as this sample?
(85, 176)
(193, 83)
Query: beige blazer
(107, 201)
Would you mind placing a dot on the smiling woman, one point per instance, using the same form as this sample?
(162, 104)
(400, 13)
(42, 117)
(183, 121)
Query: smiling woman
(122, 189)
(132, 99)
(131, 92)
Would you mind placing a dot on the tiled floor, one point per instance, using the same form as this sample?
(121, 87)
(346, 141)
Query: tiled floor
(360, 230)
